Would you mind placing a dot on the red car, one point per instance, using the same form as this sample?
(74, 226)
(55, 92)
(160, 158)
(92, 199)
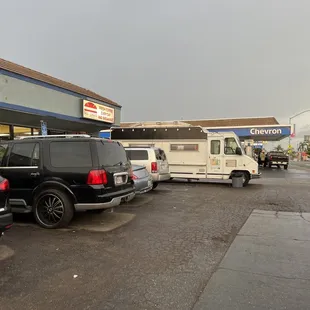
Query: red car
(6, 218)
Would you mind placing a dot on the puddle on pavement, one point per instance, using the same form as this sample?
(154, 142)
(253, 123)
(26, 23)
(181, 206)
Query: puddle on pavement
(103, 222)
(5, 252)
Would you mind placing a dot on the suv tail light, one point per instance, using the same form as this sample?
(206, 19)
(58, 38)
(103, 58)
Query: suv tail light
(270, 157)
(97, 177)
(134, 177)
(4, 185)
(131, 173)
(154, 167)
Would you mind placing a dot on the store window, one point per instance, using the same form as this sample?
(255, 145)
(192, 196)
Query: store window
(21, 131)
(35, 132)
(56, 132)
(4, 132)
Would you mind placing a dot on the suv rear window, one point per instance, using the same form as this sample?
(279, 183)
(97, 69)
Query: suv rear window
(160, 155)
(137, 154)
(70, 154)
(111, 153)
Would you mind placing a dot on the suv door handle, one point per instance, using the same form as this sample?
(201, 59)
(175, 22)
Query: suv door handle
(34, 174)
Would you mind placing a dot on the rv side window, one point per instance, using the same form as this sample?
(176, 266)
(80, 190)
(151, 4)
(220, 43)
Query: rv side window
(215, 147)
(183, 147)
(230, 146)
(137, 154)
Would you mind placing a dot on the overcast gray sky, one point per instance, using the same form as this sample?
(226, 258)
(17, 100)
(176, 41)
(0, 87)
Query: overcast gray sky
(170, 59)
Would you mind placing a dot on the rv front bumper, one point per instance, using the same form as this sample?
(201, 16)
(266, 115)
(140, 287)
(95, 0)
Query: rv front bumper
(256, 175)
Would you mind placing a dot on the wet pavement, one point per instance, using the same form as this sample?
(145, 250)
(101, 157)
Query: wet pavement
(162, 258)
(266, 267)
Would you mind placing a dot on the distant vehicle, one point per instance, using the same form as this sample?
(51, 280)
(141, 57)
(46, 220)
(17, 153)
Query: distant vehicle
(154, 159)
(105, 134)
(277, 158)
(142, 179)
(54, 176)
(192, 152)
(6, 218)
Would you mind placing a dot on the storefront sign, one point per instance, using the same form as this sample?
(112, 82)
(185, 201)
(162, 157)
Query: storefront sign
(98, 112)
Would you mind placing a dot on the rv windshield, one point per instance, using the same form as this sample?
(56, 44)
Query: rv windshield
(231, 145)
(239, 144)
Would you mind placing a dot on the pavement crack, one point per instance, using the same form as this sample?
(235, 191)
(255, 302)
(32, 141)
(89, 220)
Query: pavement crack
(302, 216)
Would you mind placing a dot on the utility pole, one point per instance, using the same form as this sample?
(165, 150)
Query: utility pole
(290, 122)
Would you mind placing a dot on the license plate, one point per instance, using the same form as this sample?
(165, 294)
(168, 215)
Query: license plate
(149, 183)
(119, 180)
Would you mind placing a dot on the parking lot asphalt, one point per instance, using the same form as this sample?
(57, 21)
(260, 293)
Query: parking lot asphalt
(162, 257)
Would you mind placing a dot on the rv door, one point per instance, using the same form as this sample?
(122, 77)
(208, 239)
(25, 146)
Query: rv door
(215, 164)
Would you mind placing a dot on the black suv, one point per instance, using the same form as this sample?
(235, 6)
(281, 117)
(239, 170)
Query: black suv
(54, 176)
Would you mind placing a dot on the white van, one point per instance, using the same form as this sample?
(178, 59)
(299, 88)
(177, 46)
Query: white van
(153, 158)
(193, 152)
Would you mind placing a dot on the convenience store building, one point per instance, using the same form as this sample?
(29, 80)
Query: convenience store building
(34, 103)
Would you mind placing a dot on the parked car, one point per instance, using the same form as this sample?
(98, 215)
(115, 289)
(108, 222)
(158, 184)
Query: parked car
(277, 158)
(6, 218)
(142, 179)
(54, 176)
(154, 159)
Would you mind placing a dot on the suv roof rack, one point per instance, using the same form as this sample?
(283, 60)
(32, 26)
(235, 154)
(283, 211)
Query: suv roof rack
(54, 136)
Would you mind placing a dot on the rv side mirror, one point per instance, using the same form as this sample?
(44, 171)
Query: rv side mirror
(238, 151)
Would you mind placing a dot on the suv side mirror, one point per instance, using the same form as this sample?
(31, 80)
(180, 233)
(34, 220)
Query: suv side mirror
(238, 151)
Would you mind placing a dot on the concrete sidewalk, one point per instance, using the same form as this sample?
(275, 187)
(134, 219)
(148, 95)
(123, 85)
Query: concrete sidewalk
(266, 267)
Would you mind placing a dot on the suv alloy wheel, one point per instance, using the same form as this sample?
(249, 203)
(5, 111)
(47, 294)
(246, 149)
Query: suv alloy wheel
(53, 209)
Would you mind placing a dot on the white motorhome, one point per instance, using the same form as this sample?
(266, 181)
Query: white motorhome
(192, 152)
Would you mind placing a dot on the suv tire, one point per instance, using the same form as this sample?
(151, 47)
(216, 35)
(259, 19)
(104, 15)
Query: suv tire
(53, 209)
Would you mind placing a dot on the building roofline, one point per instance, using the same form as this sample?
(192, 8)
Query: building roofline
(202, 119)
(267, 126)
(223, 122)
(225, 118)
(42, 77)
